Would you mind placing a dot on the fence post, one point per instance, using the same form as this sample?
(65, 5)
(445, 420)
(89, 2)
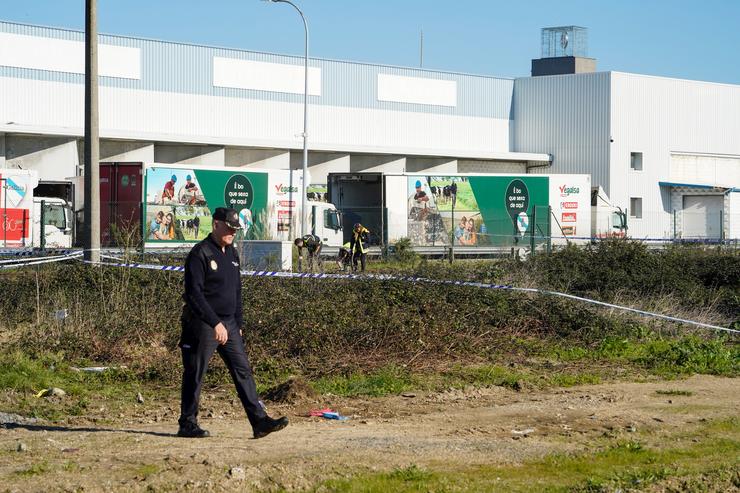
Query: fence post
(674, 224)
(144, 231)
(549, 230)
(42, 227)
(532, 243)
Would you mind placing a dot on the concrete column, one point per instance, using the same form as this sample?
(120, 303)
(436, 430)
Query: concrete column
(2, 150)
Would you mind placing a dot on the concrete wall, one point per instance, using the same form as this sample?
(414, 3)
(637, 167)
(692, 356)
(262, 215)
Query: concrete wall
(320, 164)
(377, 163)
(256, 158)
(200, 155)
(733, 228)
(126, 151)
(472, 166)
(436, 166)
(55, 158)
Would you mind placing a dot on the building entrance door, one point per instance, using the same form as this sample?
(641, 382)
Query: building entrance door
(702, 216)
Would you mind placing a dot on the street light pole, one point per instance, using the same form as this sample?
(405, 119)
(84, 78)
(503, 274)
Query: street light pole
(304, 185)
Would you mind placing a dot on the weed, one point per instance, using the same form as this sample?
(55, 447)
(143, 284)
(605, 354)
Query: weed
(674, 392)
(409, 474)
(34, 469)
(146, 470)
(389, 380)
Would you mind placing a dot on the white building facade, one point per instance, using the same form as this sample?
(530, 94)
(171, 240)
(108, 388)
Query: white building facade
(667, 150)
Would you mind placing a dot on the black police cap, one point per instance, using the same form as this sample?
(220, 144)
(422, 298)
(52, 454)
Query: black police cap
(227, 215)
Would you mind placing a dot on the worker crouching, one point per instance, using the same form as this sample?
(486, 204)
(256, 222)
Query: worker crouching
(312, 244)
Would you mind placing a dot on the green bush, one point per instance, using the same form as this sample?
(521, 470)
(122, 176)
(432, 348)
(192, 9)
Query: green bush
(322, 326)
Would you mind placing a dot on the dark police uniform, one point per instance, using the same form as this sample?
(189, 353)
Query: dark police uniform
(212, 295)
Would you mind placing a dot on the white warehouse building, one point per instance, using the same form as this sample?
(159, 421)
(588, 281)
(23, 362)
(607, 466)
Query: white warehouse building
(667, 150)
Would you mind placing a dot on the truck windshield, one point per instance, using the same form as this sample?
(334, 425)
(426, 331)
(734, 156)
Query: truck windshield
(617, 220)
(331, 220)
(54, 216)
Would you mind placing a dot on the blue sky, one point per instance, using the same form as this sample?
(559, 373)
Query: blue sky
(689, 39)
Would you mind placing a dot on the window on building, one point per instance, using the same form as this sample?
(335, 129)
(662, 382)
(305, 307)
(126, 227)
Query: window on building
(636, 161)
(636, 207)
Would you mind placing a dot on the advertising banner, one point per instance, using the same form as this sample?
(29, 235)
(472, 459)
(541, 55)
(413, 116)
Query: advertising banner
(477, 210)
(16, 207)
(179, 202)
(570, 199)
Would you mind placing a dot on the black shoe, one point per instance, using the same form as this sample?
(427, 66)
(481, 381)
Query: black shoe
(192, 431)
(269, 425)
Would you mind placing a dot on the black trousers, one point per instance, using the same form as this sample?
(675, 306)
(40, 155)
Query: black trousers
(361, 257)
(198, 343)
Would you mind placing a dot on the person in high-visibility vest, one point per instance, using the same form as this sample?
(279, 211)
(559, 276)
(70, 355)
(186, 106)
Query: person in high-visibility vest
(344, 257)
(357, 245)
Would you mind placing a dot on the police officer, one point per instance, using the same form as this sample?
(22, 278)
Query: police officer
(357, 245)
(212, 321)
(312, 244)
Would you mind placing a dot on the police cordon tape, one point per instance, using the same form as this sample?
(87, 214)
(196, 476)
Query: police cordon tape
(24, 262)
(415, 279)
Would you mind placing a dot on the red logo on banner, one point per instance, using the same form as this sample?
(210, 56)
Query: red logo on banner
(569, 205)
(14, 225)
(569, 217)
(569, 230)
(286, 203)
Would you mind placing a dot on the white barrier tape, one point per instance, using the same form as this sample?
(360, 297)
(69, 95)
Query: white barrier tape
(33, 253)
(413, 279)
(21, 261)
(44, 260)
(134, 265)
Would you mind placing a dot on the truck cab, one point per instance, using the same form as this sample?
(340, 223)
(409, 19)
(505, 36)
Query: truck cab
(326, 223)
(58, 223)
(607, 220)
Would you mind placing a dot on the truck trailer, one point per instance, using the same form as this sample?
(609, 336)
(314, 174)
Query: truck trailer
(178, 202)
(471, 210)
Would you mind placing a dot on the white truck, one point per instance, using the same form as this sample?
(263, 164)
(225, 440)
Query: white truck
(607, 220)
(29, 221)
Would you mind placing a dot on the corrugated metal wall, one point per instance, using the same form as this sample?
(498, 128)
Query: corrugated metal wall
(175, 100)
(568, 117)
(188, 69)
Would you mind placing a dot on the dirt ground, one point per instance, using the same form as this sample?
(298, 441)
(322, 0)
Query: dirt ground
(493, 426)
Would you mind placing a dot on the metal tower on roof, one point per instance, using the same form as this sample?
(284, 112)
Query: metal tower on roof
(564, 41)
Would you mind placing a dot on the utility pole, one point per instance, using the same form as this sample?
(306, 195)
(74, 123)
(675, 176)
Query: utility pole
(421, 48)
(92, 149)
